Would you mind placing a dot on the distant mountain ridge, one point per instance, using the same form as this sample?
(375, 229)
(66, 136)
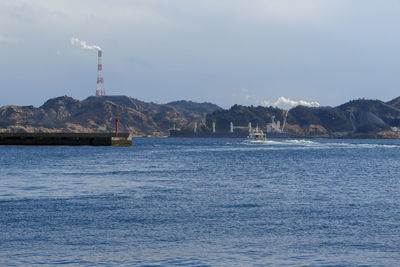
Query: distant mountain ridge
(355, 119)
(97, 114)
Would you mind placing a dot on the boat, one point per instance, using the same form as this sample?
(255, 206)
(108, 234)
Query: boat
(257, 135)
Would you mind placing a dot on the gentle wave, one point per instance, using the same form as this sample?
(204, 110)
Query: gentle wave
(289, 202)
(315, 144)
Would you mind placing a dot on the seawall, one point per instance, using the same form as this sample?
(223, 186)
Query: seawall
(66, 139)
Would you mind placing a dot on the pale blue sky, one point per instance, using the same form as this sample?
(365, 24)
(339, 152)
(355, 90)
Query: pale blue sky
(220, 51)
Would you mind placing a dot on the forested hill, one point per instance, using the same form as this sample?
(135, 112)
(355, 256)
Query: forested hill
(355, 119)
(97, 114)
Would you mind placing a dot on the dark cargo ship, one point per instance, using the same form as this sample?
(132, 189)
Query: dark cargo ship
(237, 134)
(192, 134)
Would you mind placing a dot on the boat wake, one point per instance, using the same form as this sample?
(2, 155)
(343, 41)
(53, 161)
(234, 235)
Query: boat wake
(281, 142)
(323, 144)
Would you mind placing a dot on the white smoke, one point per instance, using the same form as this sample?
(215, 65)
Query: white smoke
(84, 45)
(291, 103)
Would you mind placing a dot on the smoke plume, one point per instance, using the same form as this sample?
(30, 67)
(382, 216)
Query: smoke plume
(291, 103)
(84, 45)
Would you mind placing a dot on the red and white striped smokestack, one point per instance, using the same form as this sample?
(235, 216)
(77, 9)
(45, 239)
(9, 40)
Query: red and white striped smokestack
(100, 88)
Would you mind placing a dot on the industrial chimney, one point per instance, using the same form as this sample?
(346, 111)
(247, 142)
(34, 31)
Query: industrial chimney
(100, 89)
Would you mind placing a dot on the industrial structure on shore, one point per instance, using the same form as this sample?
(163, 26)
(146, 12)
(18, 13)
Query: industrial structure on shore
(274, 129)
(100, 85)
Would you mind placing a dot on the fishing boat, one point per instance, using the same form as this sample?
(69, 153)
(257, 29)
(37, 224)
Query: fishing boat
(257, 135)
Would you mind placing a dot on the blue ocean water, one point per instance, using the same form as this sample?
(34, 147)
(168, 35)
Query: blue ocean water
(202, 202)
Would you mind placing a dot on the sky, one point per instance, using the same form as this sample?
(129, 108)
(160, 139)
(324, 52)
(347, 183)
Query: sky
(257, 52)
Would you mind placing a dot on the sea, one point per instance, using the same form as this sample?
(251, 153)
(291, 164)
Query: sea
(202, 202)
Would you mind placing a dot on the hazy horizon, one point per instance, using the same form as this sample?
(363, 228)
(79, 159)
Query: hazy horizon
(223, 52)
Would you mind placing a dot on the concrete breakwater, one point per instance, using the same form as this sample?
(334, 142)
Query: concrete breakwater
(66, 139)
